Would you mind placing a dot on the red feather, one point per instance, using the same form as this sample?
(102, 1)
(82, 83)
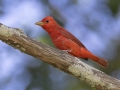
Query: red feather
(64, 40)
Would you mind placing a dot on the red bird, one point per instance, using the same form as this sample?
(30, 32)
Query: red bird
(64, 40)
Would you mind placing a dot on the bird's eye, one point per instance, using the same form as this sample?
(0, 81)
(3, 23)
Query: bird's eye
(47, 21)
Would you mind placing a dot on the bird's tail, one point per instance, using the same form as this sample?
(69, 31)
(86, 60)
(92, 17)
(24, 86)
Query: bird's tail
(100, 61)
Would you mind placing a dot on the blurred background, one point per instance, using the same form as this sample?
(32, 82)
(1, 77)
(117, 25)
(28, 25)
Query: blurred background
(96, 23)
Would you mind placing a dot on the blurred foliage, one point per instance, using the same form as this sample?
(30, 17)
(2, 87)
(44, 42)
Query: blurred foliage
(114, 6)
(40, 78)
(46, 40)
(1, 7)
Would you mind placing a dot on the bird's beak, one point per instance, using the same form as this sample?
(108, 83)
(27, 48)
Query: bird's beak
(40, 23)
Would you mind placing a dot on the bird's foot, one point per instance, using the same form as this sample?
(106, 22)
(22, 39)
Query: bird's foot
(67, 51)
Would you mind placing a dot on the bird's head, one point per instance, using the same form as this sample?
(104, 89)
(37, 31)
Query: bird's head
(47, 23)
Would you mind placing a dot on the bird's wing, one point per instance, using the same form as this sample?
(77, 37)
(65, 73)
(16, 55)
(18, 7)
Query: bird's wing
(72, 37)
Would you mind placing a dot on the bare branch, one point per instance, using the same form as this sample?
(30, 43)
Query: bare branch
(59, 59)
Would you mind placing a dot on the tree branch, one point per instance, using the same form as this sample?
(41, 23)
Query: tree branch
(57, 58)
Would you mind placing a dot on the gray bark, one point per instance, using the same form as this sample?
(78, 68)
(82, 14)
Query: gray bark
(59, 59)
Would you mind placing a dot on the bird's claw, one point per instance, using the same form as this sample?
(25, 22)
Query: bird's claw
(67, 51)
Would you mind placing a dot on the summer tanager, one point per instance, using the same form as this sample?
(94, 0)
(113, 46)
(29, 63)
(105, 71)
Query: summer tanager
(64, 40)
